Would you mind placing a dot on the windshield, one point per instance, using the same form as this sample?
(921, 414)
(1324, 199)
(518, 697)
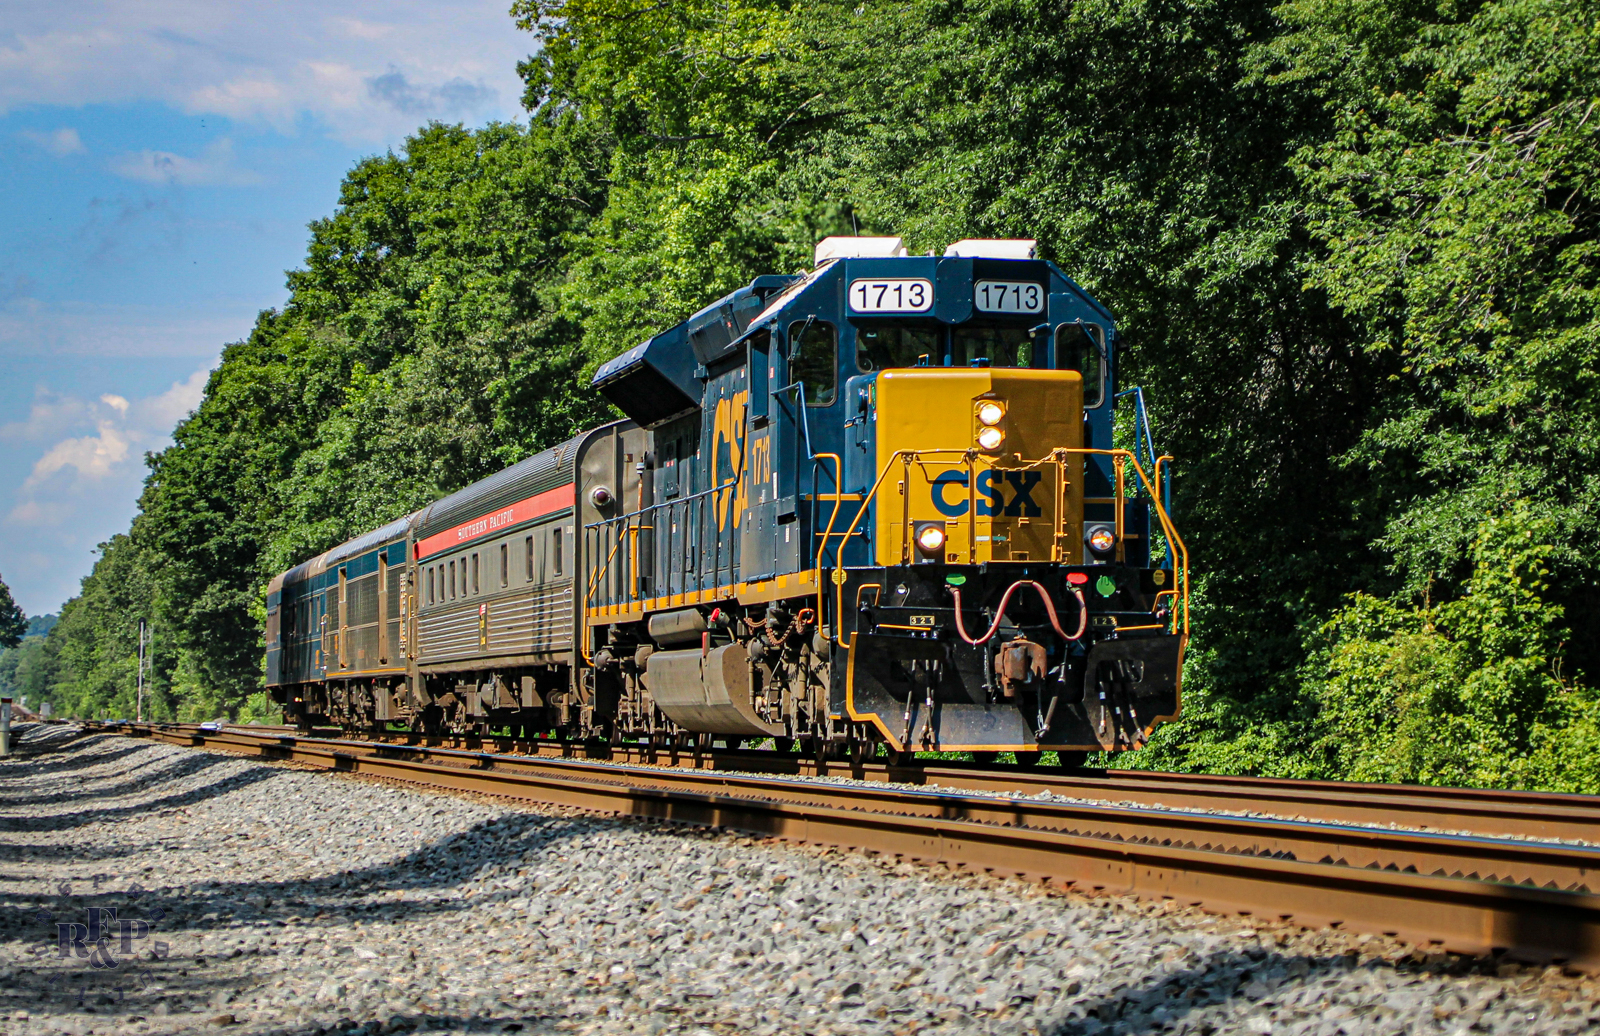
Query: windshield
(1001, 346)
(905, 345)
(897, 345)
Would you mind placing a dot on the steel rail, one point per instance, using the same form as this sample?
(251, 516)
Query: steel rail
(1517, 814)
(1220, 863)
(1536, 863)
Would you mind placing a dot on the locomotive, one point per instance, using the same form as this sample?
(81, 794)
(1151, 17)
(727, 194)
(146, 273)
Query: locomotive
(877, 502)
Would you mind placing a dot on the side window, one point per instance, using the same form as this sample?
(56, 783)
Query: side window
(669, 468)
(1081, 348)
(814, 360)
(452, 580)
(476, 585)
(527, 546)
(556, 546)
(430, 584)
(505, 564)
(760, 350)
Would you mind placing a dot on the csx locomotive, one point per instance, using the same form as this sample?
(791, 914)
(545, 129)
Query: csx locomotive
(877, 502)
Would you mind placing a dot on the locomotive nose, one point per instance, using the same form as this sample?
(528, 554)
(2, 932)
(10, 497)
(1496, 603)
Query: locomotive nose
(978, 448)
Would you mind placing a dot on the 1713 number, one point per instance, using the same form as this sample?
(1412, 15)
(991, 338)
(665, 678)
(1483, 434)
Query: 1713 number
(1008, 297)
(891, 295)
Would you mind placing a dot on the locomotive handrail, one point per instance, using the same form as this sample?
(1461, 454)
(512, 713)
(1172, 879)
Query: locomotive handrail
(838, 493)
(1120, 460)
(1141, 424)
(624, 523)
(1152, 482)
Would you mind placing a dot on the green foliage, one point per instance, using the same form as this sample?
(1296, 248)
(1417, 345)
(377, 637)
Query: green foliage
(1469, 692)
(95, 645)
(13, 624)
(27, 671)
(260, 708)
(416, 354)
(1352, 249)
(1457, 201)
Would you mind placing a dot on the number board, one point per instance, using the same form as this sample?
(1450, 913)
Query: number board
(1008, 297)
(891, 295)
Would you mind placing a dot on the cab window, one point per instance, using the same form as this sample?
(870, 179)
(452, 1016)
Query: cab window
(814, 360)
(1000, 346)
(1081, 348)
(897, 345)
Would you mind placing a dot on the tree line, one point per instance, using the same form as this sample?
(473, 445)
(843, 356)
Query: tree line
(1352, 246)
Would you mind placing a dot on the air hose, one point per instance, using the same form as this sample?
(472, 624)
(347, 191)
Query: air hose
(1000, 614)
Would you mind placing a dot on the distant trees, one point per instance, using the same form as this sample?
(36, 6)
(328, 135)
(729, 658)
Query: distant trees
(27, 664)
(13, 624)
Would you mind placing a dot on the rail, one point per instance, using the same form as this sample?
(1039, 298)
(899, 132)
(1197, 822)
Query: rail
(1471, 895)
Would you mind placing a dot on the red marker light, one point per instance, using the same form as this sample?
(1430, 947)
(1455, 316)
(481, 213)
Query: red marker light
(1077, 578)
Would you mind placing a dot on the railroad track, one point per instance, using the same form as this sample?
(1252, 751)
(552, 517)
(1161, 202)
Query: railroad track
(1467, 894)
(1513, 814)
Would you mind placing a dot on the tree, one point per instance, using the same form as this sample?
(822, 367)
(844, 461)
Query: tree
(13, 624)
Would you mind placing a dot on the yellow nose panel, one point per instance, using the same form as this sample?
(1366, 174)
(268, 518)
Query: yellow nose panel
(1013, 502)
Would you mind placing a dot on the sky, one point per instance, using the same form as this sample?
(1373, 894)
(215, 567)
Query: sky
(159, 163)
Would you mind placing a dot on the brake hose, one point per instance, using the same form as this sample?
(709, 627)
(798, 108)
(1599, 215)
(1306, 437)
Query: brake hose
(1000, 614)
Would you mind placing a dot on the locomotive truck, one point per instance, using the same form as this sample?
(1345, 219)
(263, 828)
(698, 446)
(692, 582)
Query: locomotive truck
(877, 502)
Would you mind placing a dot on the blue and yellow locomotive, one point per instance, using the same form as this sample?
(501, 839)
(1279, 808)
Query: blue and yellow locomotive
(876, 502)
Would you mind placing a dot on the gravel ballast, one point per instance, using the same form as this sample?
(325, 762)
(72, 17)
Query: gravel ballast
(290, 901)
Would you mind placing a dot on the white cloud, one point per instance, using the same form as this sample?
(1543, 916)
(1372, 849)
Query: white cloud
(83, 483)
(75, 464)
(333, 61)
(92, 456)
(162, 413)
(61, 142)
(215, 167)
(50, 417)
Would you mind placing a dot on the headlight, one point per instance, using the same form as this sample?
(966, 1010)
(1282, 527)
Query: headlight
(930, 539)
(1101, 539)
(991, 438)
(991, 414)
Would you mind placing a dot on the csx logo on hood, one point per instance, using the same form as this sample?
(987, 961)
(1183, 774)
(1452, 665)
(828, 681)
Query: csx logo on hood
(1007, 493)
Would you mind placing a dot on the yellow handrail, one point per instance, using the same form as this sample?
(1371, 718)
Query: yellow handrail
(1121, 459)
(838, 491)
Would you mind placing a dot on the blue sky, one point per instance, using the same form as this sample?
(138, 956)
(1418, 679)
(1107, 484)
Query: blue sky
(159, 162)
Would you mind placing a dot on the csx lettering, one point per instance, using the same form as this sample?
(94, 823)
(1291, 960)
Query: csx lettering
(991, 494)
(728, 459)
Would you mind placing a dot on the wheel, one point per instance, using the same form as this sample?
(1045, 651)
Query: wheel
(1073, 760)
(986, 758)
(783, 744)
(1029, 760)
